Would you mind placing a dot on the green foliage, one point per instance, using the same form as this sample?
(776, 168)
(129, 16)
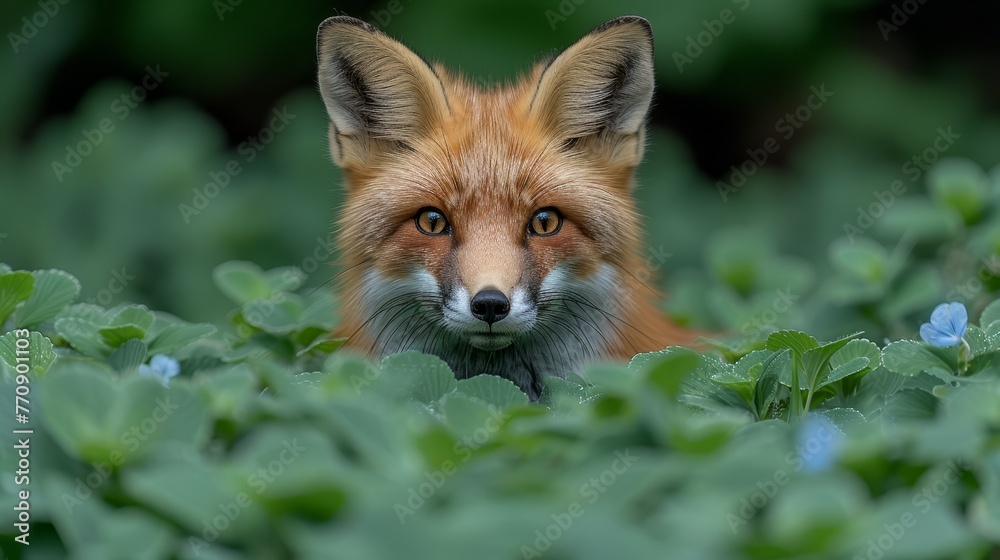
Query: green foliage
(270, 444)
(839, 232)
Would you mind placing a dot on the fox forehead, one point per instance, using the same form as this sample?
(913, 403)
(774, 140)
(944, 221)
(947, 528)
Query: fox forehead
(489, 166)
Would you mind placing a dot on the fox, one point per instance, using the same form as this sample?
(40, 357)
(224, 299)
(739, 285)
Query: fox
(493, 226)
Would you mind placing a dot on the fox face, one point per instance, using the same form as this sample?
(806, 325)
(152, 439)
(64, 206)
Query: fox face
(494, 228)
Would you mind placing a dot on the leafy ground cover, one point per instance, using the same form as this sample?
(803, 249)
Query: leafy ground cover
(158, 438)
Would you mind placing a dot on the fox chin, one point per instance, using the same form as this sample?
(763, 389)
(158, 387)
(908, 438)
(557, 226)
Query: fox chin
(493, 227)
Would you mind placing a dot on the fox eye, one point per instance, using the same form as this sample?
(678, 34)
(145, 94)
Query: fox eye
(431, 221)
(546, 221)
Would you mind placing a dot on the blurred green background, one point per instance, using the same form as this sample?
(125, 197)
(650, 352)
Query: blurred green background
(127, 209)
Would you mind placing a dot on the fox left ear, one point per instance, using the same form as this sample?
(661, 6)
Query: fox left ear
(379, 94)
(599, 90)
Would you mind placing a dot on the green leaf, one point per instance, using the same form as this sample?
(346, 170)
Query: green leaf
(740, 380)
(228, 390)
(310, 483)
(39, 352)
(93, 417)
(908, 357)
(15, 287)
(278, 316)
(862, 259)
(768, 386)
(189, 491)
(466, 415)
(429, 376)
(78, 401)
(847, 356)
(816, 362)
(796, 341)
(919, 288)
(54, 290)
(959, 183)
(843, 370)
(322, 345)
(242, 282)
(175, 337)
(129, 356)
(917, 216)
(979, 341)
(669, 368)
(116, 336)
(137, 315)
(494, 390)
(370, 429)
(320, 310)
(990, 315)
(284, 279)
(83, 336)
(910, 404)
(845, 418)
(747, 366)
(737, 258)
(857, 348)
(93, 529)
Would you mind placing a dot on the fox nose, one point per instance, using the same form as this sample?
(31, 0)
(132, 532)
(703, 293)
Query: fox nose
(490, 305)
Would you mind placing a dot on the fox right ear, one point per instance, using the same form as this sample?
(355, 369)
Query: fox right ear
(600, 88)
(379, 94)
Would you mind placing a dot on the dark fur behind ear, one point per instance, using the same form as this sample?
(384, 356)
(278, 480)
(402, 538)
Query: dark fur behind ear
(374, 88)
(603, 83)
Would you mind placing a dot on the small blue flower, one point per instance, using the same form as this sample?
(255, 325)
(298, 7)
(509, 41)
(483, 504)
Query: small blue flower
(161, 368)
(819, 441)
(947, 326)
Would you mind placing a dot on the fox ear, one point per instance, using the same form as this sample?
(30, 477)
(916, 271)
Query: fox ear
(601, 87)
(378, 93)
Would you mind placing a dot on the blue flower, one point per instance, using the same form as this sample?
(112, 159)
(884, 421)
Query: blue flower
(947, 326)
(160, 368)
(819, 441)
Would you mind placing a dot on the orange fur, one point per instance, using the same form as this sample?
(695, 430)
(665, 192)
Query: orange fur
(568, 136)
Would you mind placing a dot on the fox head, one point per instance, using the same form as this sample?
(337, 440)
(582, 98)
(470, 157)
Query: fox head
(493, 227)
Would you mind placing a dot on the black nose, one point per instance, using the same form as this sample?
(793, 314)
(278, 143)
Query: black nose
(490, 305)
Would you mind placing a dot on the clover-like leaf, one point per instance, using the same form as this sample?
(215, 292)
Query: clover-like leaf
(241, 281)
(32, 353)
(494, 390)
(15, 287)
(54, 290)
(908, 357)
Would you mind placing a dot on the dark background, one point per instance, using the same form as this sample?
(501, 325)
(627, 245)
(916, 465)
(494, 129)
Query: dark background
(116, 214)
